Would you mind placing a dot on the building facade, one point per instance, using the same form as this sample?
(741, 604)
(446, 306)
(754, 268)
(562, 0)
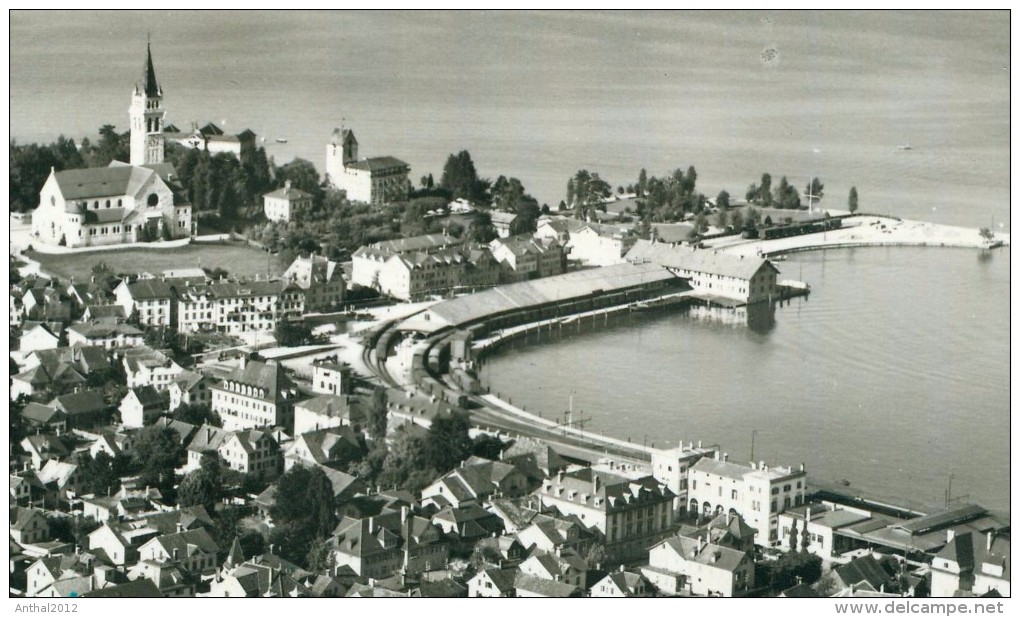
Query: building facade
(258, 394)
(287, 203)
(372, 180)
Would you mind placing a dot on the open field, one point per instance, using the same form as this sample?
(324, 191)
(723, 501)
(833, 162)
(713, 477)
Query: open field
(238, 259)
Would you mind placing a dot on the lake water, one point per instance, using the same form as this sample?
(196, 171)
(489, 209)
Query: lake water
(893, 374)
(539, 96)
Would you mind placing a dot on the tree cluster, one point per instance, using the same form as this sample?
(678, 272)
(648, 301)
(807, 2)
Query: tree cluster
(784, 195)
(305, 511)
(587, 192)
(461, 179)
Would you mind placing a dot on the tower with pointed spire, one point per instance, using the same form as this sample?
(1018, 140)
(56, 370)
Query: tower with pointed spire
(147, 117)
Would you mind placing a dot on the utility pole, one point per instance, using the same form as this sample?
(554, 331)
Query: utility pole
(753, 433)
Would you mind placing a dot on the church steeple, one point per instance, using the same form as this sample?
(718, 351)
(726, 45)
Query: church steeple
(149, 85)
(147, 117)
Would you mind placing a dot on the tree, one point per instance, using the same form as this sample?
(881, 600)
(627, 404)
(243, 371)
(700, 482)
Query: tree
(814, 190)
(101, 473)
(765, 190)
(737, 220)
(752, 193)
(292, 334)
(596, 557)
(481, 229)
(19, 426)
(753, 217)
(642, 182)
(304, 510)
(406, 464)
(721, 218)
(320, 556)
(488, 446)
(526, 221)
(203, 487)
(785, 195)
(157, 453)
(701, 223)
(448, 442)
(570, 194)
(851, 202)
(722, 201)
(197, 414)
(460, 177)
(377, 414)
(590, 192)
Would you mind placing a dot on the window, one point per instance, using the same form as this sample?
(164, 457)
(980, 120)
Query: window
(153, 200)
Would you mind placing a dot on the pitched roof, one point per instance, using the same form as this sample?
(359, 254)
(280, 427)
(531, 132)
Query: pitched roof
(379, 163)
(708, 554)
(188, 542)
(698, 260)
(150, 289)
(140, 588)
(42, 414)
(148, 396)
(864, 569)
(84, 402)
(971, 551)
(288, 192)
(19, 517)
(269, 376)
(96, 182)
(502, 579)
(545, 587)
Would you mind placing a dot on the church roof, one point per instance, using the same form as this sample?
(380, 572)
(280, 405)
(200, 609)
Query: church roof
(97, 182)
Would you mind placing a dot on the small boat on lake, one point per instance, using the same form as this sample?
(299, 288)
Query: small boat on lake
(905, 147)
(281, 140)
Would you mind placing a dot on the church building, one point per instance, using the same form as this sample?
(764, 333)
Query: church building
(122, 203)
(375, 180)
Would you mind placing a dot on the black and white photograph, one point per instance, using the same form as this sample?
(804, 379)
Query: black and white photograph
(671, 304)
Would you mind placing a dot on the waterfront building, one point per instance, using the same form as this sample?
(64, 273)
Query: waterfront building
(287, 203)
(631, 514)
(257, 394)
(670, 467)
(321, 279)
(123, 203)
(693, 566)
(972, 564)
(590, 244)
(758, 493)
(814, 528)
(741, 278)
(374, 181)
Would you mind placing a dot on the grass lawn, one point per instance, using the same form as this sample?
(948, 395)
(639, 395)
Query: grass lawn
(236, 258)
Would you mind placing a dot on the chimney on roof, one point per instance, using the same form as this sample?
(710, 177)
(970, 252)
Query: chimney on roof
(754, 466)
(175, 553)
(286, 185)
(180, 527)
(807, 517)
(718, 455)
(990, 537)
(802, 466)
(699, 443)
(728, 516)
(726, 456)
(559, 476)
(761, 465)
(371, 524)
(595, 483)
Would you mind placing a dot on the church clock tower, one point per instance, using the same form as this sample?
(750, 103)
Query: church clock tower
(147, 114)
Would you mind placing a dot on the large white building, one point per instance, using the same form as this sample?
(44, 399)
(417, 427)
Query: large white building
(287, 203)
(758, 493)
(122, 203)
(321, 279)
(373, 180)
(258, 394)
(742, 278)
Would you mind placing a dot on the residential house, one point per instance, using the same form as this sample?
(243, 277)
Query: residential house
(468, 524)
(190, 388)
(863, 574)
(551, 535)
(527, 257)
(236, 307)
(526, 586)
(84, 409)
(516, 514)
(327, 411)
(474, 482)
(248, 451)
(502, 221)
(46, 379)
(62, 480)
(972, 563)
(141, 588)
(26, 489)
(322, 281)
(692, 566)
(105, 334)
(257, 394)
(632, 514)
(377, 546)
(118, 544)
(44, 447)
(759, 493)
(172, 579)
(564, 567)
(501, 551)
(40, 336)
(28, 525)
(144, 366)
(48, 570)
(728, 529)
(141, 406)
(104, 312)
(44, 418)
(154, 301)
(623, 584)
(256, 580)
(492, 583)
(194, 551)
(374, 181)
(286, 204)
(334, 446)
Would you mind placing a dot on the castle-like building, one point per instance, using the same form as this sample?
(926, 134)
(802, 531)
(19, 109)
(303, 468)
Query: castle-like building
(373, 180)
(126, 202)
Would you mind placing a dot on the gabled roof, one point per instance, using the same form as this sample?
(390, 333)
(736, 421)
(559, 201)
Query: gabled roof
(56, 471)
(20, 517)
(147, 396)
(503, 580)
(269, 376)
(971, 551)
(288, 192)
(42, 414)
(188, 542)
(150, 289)
(544, 587)
(99, 182)
(379, 163)
(209, 438)
(84, 402)
(698, 551)
(698, 260)
(864, 569)
(140, 588)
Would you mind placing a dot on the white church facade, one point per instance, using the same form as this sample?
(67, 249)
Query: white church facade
(122, 203)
